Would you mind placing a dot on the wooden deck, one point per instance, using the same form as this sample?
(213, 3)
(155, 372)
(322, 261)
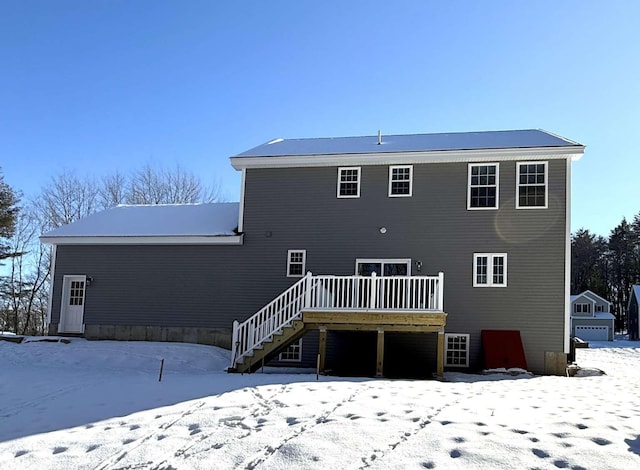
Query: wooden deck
(380, 321)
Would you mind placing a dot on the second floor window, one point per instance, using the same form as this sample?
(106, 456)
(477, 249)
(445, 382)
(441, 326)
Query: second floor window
(532, 185)
(582, 308)
(349, 182)
(400, 181)
(482, 191)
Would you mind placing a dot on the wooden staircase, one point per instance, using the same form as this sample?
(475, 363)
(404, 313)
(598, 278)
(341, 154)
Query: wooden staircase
(270, 347)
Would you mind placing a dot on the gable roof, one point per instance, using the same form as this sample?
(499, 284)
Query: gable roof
(593, 296)
(161, 223)
(433, 145)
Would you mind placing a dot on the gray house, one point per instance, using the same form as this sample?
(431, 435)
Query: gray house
(591, 317)
(378, 255)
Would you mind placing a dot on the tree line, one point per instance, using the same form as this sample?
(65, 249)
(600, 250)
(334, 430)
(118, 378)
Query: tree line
(25, 262)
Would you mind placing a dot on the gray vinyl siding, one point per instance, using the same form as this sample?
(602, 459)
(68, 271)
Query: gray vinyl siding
(297, 208)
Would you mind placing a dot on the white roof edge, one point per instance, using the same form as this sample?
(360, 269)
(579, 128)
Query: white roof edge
(440, 156)
(587, 292)
(146, 240)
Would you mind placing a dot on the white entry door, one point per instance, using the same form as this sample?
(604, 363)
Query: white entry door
(72, 309)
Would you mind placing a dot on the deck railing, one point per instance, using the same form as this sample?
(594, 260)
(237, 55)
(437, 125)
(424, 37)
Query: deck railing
(338, 293)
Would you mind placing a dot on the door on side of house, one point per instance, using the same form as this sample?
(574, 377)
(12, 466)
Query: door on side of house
(72, 308)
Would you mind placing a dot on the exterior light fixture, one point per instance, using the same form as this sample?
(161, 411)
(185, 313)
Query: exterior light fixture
(383, 230)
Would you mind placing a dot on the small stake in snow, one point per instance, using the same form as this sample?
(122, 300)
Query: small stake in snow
(318, 367)
(161, 367)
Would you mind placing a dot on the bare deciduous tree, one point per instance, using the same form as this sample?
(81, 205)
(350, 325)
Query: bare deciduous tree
(66, 199)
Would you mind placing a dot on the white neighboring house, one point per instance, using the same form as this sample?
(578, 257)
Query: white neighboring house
(591, 317)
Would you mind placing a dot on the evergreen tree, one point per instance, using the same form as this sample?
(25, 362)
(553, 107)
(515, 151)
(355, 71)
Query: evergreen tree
(8, 216)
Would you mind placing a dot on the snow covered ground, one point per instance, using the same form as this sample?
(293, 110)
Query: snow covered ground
(99, 405)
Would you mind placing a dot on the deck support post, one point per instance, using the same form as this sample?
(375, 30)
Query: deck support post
(380, 353)
(322, 349)
(440, 354)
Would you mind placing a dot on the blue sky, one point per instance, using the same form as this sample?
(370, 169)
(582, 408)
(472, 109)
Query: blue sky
(94, 86)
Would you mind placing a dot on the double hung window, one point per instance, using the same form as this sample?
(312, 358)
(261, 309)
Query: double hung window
(400, 181)
(482, 192)
(349, 182)
(531, 185)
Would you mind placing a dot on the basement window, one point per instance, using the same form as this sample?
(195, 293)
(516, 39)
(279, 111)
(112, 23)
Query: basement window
(456, 350)
(292, 353)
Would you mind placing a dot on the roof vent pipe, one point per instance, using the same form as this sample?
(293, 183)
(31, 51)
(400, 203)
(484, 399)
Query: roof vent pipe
(379, 137)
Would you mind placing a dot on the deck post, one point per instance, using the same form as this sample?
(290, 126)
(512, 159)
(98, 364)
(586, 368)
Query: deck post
(380, 353)
(234, 342)
(440, 354)
(441, 291)
(307, 290)
(322, 349)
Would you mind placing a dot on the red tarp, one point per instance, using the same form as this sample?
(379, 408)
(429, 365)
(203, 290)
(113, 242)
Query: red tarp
(503, 348)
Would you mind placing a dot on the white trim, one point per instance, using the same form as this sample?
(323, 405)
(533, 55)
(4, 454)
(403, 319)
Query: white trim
(289, 263)
(497, 185)
(384, 261)
(146, 240)
(348, 168)
(446, 348)
(567, 262)
(299, 344)
(52, 267)
(395, 158)
(64, 298)
(490, 263)
(241, 205)
(394, 167)
(546, 185)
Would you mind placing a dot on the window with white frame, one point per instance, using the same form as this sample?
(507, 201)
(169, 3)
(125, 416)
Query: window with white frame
(482, 191)
(489, 270)
(599, 308)
(292, 353)
(400, 181)
(456, 350)
(531, 185)
(349, 182)
(582, 308)
(296, 260)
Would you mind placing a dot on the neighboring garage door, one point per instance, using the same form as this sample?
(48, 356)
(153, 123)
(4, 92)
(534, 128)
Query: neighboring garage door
(593, 333)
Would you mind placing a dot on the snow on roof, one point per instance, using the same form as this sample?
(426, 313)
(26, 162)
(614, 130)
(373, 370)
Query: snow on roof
(209, 219)
(529, 138)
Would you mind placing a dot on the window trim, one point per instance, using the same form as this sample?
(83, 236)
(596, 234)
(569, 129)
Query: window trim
(497, 185)
(299, 359)
(391, 180)
(490, 263)
(290, 263)
(546, 184)
(466, 350)
(348, 196)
